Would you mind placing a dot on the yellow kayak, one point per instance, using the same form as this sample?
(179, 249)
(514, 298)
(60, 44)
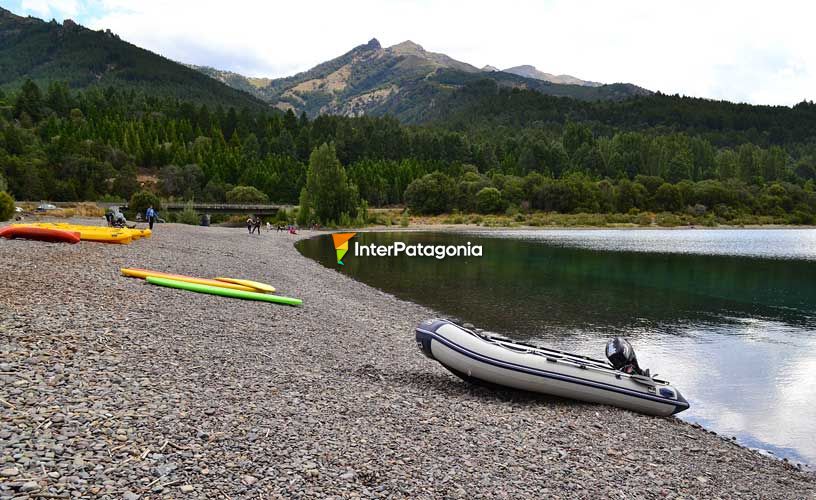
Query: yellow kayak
(90, 233)
(133, 232)
(257, 285)
(144, 273)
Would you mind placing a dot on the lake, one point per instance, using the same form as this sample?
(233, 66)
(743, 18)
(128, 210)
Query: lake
(728, 316)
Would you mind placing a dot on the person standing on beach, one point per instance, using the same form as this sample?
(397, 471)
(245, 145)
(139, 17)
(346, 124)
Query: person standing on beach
(249, 224)
(150, 215)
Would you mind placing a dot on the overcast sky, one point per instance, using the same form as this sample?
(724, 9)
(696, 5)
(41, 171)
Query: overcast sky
(758, 52)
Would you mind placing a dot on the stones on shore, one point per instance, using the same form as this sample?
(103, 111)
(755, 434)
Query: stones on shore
(29, 487)
(9, 472)
(111, 388)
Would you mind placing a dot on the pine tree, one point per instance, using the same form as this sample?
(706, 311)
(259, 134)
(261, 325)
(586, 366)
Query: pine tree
(329, 192)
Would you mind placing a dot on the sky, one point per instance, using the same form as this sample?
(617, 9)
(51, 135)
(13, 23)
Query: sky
(757, 52)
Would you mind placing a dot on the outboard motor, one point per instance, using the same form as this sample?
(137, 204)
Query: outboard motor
(620, 353)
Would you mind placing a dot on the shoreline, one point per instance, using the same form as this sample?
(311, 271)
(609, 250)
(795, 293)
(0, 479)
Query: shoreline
(119, 388)
(476, 227)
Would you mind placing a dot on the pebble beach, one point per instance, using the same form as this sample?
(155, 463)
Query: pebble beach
(114, 388)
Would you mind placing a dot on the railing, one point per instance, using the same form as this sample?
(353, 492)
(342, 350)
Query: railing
(198, 207)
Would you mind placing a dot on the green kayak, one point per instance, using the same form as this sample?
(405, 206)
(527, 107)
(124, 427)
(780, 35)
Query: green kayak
(224, 292)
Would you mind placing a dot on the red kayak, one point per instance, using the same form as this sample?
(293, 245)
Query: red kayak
(39, 234)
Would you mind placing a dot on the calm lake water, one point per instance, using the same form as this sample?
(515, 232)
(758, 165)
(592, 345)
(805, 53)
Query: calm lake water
(728, 316)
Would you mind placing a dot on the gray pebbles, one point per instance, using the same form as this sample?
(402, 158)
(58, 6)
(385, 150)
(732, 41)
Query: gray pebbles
(114, 388)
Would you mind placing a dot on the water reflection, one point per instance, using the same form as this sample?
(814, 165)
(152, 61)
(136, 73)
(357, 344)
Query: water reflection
(728, 316)
(751, 379)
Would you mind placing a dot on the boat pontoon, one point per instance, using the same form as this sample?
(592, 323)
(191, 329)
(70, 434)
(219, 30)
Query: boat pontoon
(480, 357)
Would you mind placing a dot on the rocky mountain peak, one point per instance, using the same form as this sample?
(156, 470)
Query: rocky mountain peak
(407, 47)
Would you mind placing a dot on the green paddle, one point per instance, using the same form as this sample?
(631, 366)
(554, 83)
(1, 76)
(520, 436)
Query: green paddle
(224, 292)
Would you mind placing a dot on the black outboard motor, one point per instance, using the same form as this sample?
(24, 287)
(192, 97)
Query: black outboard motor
(620, 353)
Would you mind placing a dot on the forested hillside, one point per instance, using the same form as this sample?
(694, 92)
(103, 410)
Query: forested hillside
(485, 106)
(652, 153)
(48, 51)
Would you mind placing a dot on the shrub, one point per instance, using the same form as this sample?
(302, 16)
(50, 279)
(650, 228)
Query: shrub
(246, 195)
(430, 194)
(666, 219)
(188, 215)
(667, 198)
(140, 201)
(801, 216)
(6, 206)
(404, 220)
(644, 219)
(488, 200)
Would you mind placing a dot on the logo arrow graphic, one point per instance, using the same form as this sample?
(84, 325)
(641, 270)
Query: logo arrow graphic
(341, 244)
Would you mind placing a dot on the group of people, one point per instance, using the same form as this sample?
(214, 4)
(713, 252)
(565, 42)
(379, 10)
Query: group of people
(253, 224)
(115, 218)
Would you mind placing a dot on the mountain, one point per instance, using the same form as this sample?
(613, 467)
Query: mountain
(49, 51)
(404, 80)
(528, 71)
(358, 82)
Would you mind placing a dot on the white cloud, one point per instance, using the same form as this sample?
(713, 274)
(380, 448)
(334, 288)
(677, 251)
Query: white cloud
(48, 9)
(749, 51)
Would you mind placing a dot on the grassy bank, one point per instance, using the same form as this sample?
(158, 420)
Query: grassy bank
(401, 217)
(396, 217)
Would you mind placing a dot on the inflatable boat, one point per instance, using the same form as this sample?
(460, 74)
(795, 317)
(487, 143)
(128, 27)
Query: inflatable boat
(493, 359)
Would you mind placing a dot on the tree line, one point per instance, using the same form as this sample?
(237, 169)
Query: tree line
(61, 145)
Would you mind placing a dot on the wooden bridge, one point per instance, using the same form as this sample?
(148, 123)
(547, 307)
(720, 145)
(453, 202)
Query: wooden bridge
(202, 208)
(214, 208)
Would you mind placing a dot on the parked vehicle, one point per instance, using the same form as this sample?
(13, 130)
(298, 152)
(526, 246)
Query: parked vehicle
(44, 207)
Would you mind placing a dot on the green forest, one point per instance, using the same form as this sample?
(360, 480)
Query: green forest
(490, 150)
